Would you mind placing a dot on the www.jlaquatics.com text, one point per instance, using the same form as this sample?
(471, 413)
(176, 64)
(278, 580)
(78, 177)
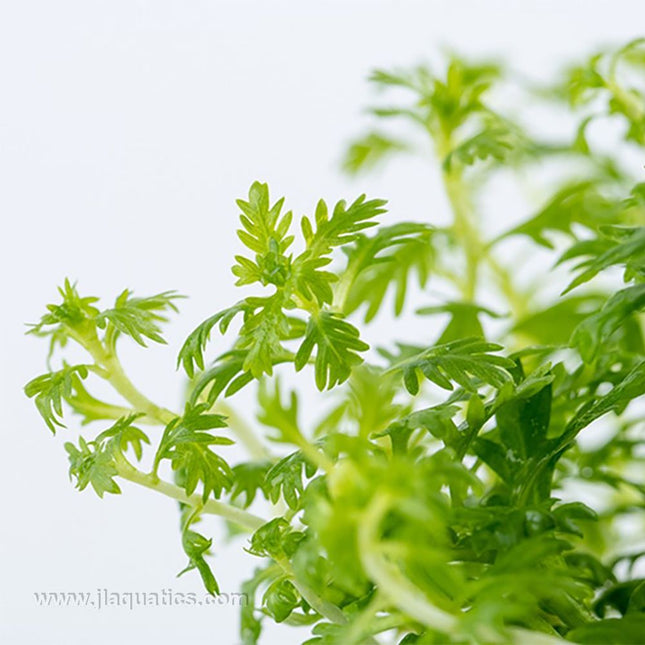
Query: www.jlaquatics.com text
(105, 598)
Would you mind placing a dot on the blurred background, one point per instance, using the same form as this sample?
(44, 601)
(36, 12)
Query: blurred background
(127, 130)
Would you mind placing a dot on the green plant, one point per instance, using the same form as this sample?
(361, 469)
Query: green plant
(439, 498)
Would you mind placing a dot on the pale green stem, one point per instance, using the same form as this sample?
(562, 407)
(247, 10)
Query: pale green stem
(243, 431)
(322, 606)
(343, 286)
(466, 232)
(356, 633)
(104, 410)
(231, 513)
(391, 583)
(315, 456)
(242, 518)
(517, 301)
(114, 374)
(459, 199)
(408, 598)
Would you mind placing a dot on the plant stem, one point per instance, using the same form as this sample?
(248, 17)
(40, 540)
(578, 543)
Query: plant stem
(114, 374)
(315, 456)
(322, 606)
(391, 583)
(357, 631)
(466, 232)
(243, 431)
(517, 301)
(405, 596)
(459, 199)
(240, 517)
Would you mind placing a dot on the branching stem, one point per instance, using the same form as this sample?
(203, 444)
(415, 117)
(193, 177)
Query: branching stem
(240, 517)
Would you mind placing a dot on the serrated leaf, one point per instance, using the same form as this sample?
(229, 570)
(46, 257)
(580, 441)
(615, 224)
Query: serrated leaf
(51, 389)
(92, 464)
(371, 149)
(191, 354)
(628, 250)
(337, 344)
(123, 434)
(388, 261)
(285, 478)
(196, 546)
(138, 318)
(467, 362)
(593, 332)
(249, 478)
(186, 444)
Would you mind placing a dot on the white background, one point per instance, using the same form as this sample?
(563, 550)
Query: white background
(127, 129)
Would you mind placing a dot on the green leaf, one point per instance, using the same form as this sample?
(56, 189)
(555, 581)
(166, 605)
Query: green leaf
(51, 389)
(226, 375)
(616, 400)
(264, 232)
(91, 408)
(250, 625)
(578, 203)
(285, 478)
(72, 313)
(566, 515)
(186, 444)
(248, 479)
(342, 227)
(594, 331)
(628, 250)
(337, 345)
(554, 325)
(280, 599)
(275, 539)
(138, 318)
(275, 414)
(464, 320)
(436, 420)
(498, 458)
(92, 464)
(523, 423)
(495, 142)
(371, 401)
(611, 631)
(370, 150)
(191, 354)
(196, 546)
(388, 260)
(262, 333)
(467, 362)
(124, 434)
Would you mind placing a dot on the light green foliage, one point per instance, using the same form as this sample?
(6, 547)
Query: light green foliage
(186, 443)
(196, 546)
(616, 79)
(51, 389)
(92, 465)
(95, 462)
(467, 362)
(337, 345)
(299, 284)
(138, 318)
(387, 260)
(439, 499)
